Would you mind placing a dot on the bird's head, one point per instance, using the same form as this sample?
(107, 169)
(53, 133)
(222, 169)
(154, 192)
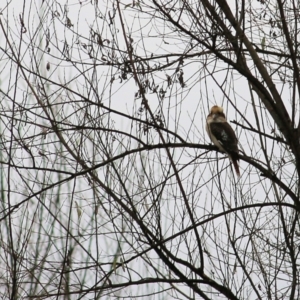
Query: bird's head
(216, 110)
(216, 114)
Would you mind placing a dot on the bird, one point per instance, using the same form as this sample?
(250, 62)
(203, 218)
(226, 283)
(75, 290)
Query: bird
(222, 135)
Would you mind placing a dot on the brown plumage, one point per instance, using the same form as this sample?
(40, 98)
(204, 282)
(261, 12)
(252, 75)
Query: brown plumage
(222, 135)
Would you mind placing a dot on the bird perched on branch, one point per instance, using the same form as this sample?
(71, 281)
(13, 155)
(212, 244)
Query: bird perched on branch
(222, 135)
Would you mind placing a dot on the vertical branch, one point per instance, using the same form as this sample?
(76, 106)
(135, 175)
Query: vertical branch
(145, 102)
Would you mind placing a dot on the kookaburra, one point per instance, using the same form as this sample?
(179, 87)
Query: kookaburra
(222, 135)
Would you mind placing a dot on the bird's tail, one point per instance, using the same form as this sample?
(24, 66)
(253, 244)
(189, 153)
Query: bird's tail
(234, 157)
(236, 167)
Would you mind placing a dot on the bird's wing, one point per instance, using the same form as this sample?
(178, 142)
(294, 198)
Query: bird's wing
(225, 136)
